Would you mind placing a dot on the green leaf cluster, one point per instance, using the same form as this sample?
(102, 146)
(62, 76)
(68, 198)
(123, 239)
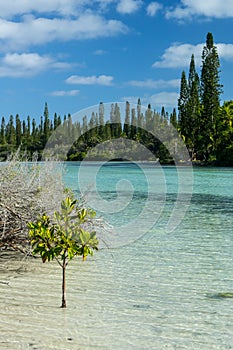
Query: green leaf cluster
(65, 235)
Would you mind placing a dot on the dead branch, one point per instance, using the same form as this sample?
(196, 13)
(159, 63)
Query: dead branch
(27, 189)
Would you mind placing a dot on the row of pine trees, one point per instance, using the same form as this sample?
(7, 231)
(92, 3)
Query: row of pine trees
(85, 134)
(204, 124)
(28, 135)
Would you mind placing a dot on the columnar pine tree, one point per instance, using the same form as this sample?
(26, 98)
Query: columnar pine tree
(55, 123)
(18, 130)
(126, 128)
(46, 126)
(33, 127)
(193, 109)
(10, 131)
(133, 126)
(138, 109)
(173, 118)
(101, 121)
(182, 106)
(163, 112)
(115, 120)
(118, 121)
(140, 119)
(149, 118)
(192, 72)
(28, 126)
(23, 124)
(2, 132)
(210, 98)
(69, 126)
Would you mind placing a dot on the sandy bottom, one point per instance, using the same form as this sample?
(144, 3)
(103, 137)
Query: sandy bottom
(30, 313)
(116, 301)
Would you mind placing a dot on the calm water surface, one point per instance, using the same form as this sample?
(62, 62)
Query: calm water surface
(157, 291)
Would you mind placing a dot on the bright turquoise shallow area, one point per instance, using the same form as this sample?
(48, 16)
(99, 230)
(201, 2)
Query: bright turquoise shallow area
(153, 290)
(163, 283)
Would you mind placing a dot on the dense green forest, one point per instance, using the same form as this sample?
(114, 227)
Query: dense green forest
(57, 133)
(203, 123)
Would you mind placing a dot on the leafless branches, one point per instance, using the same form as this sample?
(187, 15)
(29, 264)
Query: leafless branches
(27, 189)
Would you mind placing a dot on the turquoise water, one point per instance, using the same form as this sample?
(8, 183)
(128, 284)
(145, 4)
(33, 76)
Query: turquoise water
(164, 283)
(154, 288)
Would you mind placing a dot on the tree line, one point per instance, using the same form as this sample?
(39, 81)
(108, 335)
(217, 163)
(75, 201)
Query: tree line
(87, 133)
(204, 124)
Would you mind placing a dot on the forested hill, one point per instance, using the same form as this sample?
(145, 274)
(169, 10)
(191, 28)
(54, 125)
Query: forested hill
(204, 124)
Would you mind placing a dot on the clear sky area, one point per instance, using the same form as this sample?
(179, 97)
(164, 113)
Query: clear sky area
(73, 54)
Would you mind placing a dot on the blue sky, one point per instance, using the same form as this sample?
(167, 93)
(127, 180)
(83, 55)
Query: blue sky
(75, 53)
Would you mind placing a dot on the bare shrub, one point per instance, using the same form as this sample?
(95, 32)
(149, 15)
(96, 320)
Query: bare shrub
(27, 189)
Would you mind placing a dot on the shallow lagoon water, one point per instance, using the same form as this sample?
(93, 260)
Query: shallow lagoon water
(158, 292)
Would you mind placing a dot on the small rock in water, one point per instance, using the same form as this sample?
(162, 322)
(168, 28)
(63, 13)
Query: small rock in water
(137, 306)
(220, 295)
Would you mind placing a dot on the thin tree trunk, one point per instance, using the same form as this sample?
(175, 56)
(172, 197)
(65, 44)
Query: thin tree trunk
(64, 284)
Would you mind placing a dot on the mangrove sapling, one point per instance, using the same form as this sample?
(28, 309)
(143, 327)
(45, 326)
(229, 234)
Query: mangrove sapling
(64, 236)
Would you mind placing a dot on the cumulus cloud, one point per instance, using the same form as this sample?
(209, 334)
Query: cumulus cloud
(14, 8)
(90, 80)
(62, 93)
(178, 55)
(207, 8)
(27, 64)
(225, 51)
(128, 6)
(36, 31)
(27, 23)
(166, 99)
(153, 8)
(155, 84)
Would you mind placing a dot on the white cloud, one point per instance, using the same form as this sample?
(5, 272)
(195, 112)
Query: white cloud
(13, 8)
(153, 8)
(27, 64)
(225, 51)
(37, 31)
(179, 55)
(155, 84)
(207, 8)
(62, 93)
(128, 6)
(90, 80)
(27, 23)
(166, 99)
